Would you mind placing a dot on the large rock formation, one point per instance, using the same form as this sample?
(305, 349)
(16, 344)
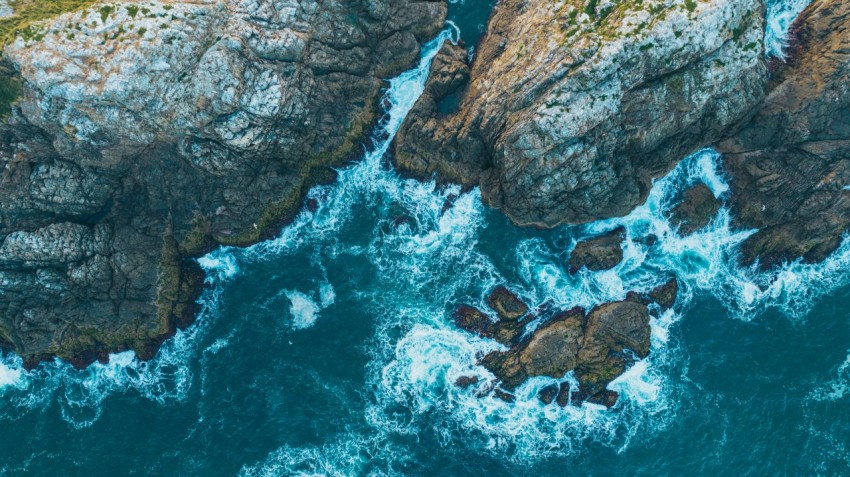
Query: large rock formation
(572, 107)
(790, 163)
(597, 346)
(149, 132)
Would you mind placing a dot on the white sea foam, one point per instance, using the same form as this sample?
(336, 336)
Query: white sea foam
(304, 310)
(780, 15)
(431, 256)
(837, 388)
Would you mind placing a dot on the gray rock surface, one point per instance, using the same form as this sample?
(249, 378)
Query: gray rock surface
(146, 136)
(570, 111)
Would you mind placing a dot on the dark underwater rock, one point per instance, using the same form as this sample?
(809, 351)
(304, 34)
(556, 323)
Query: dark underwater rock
(599, 253)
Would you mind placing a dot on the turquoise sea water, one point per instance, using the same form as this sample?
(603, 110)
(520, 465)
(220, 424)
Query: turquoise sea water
(330, 350)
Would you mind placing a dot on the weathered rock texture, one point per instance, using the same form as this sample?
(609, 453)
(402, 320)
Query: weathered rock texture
(597, 346)
(150, 132)
(790, 163)
(695, 211)
(599, 253)
(572, 107)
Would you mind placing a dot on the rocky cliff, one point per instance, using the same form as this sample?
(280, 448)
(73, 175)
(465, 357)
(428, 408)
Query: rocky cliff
(790, 162)
(147, 133)
(572, 107)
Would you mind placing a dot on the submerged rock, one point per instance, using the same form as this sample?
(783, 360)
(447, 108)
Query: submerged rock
(696, 210)
(600, 253)
(145, 137)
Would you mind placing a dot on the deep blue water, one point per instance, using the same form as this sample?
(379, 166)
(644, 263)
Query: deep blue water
(330, 351)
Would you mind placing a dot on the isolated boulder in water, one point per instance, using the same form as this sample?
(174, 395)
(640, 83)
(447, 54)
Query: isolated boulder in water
(599, 253)
(696, 210)
(598, 347)
(506, 303)
(665, 295)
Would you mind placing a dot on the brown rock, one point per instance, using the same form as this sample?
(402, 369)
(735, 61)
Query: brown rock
(790, 162)
(505, 302)
(599, 253)
(696, 210)
(665, 295)
(464, 382)
(551, 351)
(473, 320)
(611, 329)
(548, 394)
(563, 394)
(504, 395)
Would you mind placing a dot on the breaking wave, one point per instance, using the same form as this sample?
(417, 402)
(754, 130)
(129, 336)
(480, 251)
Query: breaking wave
(780, 15)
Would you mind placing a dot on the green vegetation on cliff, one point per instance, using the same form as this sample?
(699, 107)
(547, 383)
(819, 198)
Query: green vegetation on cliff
(29, 12)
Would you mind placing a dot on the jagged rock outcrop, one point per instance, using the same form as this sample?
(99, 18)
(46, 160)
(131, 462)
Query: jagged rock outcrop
(695, 211)
(597, 346)
(790, 163)
(148, 133)
(598, 253)
(572, 107)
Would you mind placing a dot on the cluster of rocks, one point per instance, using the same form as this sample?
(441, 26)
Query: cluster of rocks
(596, 346)
(147, 133)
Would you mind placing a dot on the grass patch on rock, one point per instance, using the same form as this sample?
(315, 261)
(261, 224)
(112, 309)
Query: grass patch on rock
(27, 13)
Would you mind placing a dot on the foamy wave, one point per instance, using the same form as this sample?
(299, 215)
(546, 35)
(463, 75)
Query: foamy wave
(837, 388)
(780, 15)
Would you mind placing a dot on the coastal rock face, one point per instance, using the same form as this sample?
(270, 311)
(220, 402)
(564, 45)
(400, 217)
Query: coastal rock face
(790, 163)
(597, 346)
(573, 107)
(148, 133)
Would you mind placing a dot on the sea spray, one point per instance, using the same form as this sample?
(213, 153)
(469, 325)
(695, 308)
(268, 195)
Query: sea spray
(780, 15)
(80, 393)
